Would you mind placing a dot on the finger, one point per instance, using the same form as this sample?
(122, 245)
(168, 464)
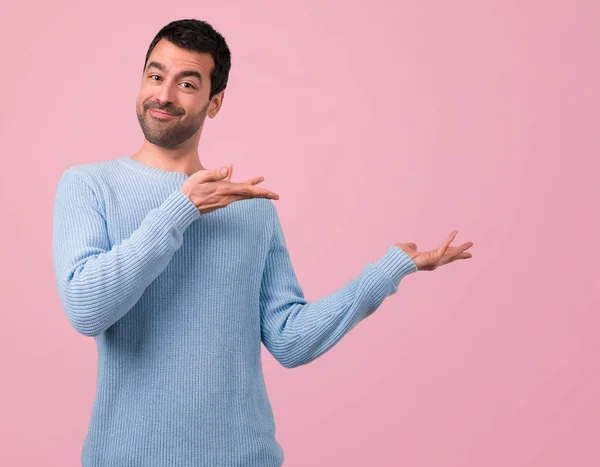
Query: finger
(241, 198)
(461, 256)
(251, 192)
(456, 250)
(213, 175)
(246, 189)
(442, 249)
(254, 181)
(464, 246)
(228, 178)
(447, 259)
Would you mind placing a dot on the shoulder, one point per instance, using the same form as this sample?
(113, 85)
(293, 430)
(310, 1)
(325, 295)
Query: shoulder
(93, 173)
(260, 213)
(272, 218)
(259, 205)
(86, 183)
(96, 179)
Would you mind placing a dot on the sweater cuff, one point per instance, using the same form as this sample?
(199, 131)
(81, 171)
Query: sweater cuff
(181, 209)
(396, 264)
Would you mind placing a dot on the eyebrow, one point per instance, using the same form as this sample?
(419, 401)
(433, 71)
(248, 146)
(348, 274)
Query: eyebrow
(181, 74)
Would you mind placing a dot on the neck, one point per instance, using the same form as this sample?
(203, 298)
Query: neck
(184, 159)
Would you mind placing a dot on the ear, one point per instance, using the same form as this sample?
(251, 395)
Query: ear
(215, 104)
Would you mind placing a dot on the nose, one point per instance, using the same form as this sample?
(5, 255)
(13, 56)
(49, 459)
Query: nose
(165, 94)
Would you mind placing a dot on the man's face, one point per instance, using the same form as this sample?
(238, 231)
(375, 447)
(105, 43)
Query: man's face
(173, 100)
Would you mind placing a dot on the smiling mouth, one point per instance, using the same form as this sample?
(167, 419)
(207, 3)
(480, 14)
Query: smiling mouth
(161, 115)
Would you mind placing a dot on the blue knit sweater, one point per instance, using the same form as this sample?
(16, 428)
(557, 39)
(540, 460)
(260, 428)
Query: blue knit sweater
(178, 304)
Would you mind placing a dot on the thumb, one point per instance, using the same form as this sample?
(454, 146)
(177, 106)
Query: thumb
(229, 173)
(214, 175)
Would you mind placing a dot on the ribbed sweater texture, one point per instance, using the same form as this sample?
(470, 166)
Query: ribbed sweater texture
(179, 303)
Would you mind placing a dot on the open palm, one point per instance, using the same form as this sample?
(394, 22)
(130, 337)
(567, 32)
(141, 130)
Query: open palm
(430, 260)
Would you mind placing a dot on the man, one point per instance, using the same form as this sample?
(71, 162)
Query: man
(179, 283)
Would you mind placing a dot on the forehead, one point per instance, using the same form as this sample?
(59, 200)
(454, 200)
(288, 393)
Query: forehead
(176, 59)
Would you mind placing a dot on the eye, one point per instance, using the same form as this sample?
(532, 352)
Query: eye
(191, 86)
(151, 76)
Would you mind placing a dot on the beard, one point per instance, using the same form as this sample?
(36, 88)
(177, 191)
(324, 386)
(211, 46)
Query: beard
(169, 133)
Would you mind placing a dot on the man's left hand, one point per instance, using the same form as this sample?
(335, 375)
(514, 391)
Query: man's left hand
(430, 260)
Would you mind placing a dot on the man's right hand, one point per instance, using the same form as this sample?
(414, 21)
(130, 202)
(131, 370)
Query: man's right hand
(210, 190)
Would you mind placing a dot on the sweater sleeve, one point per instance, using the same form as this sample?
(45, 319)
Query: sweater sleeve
(98, 284)
(296, 332)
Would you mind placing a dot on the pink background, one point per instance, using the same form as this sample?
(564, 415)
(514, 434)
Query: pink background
(377, 122)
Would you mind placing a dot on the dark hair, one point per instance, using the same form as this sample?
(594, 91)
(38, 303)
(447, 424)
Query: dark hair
(199, 36)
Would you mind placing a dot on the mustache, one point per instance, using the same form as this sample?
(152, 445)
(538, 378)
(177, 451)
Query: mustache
(167, 109)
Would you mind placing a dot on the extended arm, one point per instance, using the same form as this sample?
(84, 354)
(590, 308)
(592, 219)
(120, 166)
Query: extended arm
(296, 332)
(98, 284)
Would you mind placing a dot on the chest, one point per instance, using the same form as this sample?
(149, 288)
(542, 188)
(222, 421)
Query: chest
(209, 291)
(230, 241)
